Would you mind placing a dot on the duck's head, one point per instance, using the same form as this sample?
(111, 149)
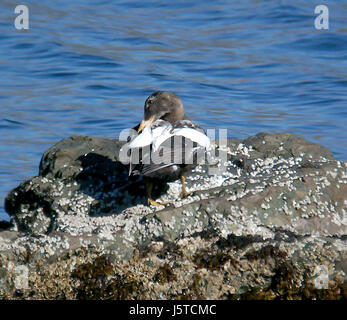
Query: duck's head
(162, 105)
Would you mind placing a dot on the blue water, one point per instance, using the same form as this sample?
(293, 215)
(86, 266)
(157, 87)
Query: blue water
(86, 68)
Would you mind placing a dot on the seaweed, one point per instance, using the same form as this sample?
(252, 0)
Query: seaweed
(98, 281)
(164, 274)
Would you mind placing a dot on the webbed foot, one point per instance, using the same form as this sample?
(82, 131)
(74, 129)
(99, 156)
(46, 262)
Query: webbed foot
(155, 203)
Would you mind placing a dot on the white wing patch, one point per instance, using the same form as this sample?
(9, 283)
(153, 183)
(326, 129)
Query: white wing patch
(157, 135)
(194, 135)
(142, 140)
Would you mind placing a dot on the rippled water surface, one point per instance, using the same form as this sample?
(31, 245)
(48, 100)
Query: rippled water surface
(86, 68)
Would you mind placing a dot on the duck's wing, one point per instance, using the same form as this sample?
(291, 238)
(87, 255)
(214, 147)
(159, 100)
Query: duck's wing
(191, 130)
(184, 128)
(149, 135)
(177, 150)
(147, 138)
(180, 143)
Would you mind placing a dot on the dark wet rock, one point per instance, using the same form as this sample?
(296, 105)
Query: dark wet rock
(69, 156)
(4, 225)
(271, 225)
(286, 145)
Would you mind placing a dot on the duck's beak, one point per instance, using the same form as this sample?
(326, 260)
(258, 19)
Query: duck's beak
(145, 124)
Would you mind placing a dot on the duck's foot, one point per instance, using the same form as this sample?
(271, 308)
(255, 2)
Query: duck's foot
(155, 203)
(185, 194)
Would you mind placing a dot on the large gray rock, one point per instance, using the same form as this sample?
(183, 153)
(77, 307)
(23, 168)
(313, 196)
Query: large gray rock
(273, 224)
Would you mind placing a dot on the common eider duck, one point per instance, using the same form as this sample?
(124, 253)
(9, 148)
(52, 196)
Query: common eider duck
(168, 145)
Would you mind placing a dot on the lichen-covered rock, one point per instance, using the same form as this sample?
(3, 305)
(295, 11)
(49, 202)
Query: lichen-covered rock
(273, 224)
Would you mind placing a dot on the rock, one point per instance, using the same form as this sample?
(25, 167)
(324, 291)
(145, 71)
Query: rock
(4, 225)
(271, 225)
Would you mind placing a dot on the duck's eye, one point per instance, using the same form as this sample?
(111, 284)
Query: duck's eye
(148, 104)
